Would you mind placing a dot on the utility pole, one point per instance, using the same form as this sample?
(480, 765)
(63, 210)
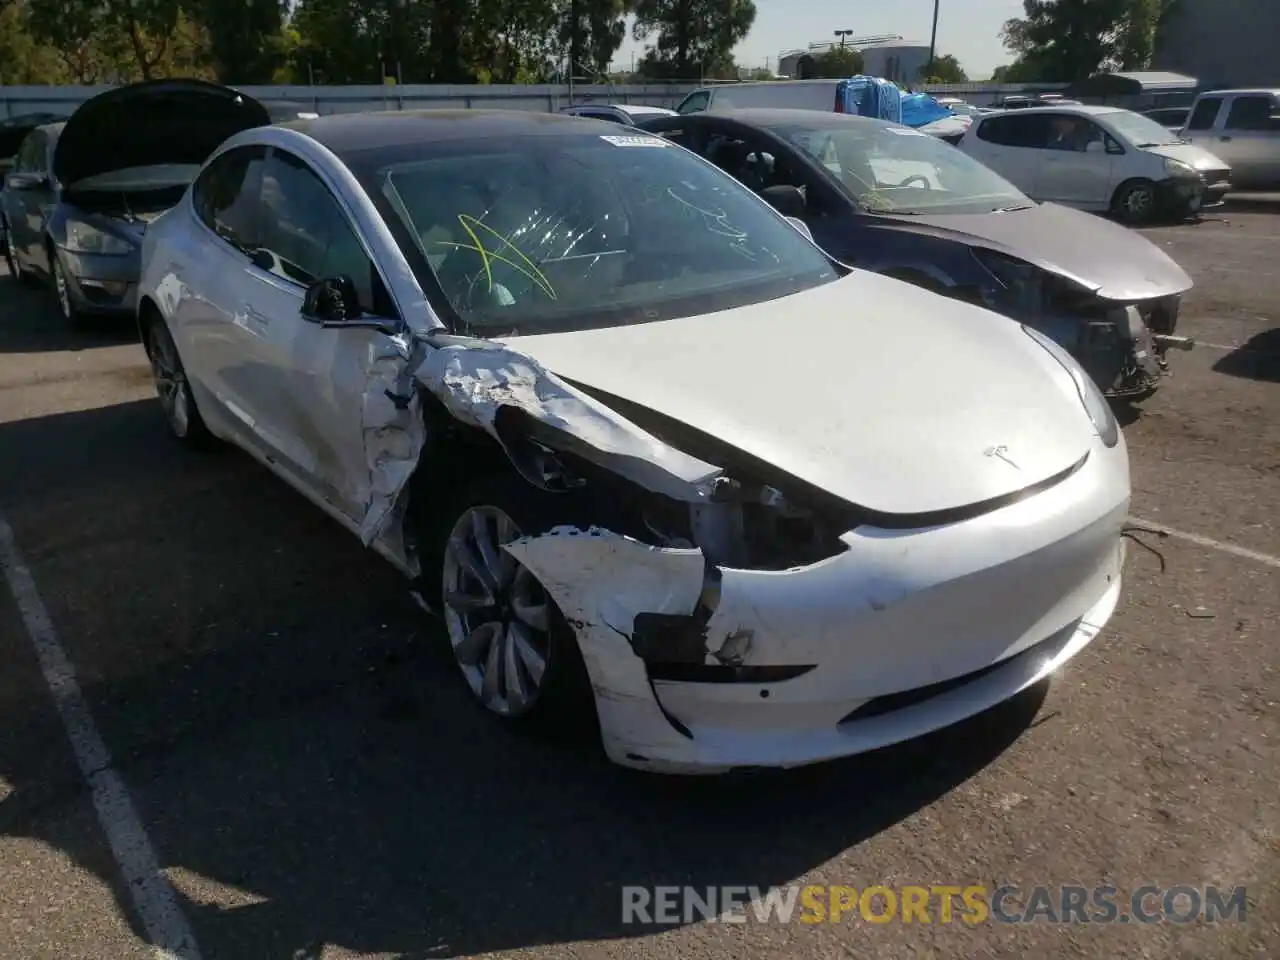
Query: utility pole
(933, 41)
(842, 34)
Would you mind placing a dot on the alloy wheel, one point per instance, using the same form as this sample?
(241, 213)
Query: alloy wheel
(1138, 201)
(171, 385)
(497, 614)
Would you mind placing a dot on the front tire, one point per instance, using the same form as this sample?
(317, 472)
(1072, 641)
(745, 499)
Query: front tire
(517, 654)
(172, 385)
(11, 256)
(71, 314)
(1134, 202)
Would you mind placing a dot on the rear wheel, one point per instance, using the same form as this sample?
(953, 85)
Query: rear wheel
(516, 652)
(172, 385)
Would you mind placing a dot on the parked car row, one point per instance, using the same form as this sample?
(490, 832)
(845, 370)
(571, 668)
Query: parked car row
(890, 199)
(664, 464)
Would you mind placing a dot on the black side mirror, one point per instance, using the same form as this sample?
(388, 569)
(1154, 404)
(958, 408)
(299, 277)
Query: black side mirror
(335, 302)
(331, 301)
(786, 199)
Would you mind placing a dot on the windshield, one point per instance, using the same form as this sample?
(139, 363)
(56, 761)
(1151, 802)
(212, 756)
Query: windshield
(1139, 130)
(889, 168)
(571, 232)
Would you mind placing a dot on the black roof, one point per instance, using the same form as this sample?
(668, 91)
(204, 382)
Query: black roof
(348, 134)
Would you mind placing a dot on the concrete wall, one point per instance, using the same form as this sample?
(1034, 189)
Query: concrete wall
(356, 99)
(1231, 42)
(545, 98)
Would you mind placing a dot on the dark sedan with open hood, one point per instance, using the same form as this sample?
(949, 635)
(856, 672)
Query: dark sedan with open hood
(892, 199)
(121, 160)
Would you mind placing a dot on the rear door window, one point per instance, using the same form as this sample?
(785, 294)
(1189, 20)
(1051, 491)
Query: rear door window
(1250, 113)
(225, 196)
(1205, 112)
(1029, 131)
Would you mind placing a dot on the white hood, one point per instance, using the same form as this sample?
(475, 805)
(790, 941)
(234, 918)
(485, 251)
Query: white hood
(874, 390)
(1195, 157)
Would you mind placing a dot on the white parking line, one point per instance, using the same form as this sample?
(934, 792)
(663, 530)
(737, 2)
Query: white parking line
(153, 897)
(1242, 552)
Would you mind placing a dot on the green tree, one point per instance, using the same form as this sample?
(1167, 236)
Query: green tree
(346, 41)
(836, 62)
(692, 38)
(590, 32)
(945, 69)
(246, 41)
(24, 59)
(1066, 40)
(1070, 40)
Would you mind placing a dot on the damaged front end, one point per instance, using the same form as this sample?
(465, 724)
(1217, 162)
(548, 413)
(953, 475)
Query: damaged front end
(726, 612)
(1122, 345)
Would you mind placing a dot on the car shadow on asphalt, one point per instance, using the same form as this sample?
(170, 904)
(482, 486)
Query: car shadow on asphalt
(293, 729)
(32, 323)
(1258, 359)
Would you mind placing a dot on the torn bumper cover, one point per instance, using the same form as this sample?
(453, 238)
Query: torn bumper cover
(700, 668)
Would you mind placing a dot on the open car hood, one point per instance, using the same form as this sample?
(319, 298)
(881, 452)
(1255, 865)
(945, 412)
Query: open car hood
(151, 123)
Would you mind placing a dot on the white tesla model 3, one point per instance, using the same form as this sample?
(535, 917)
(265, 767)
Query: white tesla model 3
(645, 447)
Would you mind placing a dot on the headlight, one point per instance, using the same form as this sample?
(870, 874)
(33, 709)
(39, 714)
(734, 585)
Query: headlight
(1095, 404)
(1176, 168)
(85, 238)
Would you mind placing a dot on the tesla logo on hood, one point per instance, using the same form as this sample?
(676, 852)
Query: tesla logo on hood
(1001, 452)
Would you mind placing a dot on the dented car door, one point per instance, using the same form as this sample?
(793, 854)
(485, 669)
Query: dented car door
(304, 383)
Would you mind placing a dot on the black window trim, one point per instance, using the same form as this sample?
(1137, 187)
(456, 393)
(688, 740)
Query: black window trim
(269, 150)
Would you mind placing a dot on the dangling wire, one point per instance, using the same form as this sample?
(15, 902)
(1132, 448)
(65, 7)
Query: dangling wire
(1130, 531)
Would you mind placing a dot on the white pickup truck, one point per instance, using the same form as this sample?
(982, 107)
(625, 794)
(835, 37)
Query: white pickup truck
(1243, 128)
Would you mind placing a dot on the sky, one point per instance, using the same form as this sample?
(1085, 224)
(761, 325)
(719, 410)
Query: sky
(969, 29)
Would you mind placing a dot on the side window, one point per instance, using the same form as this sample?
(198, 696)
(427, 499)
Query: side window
(1204, 114)
(694, 102)
(1249, 113)
(308, 233)
(1010, 131)
(999, 130)
(225, 196)
(30, 154)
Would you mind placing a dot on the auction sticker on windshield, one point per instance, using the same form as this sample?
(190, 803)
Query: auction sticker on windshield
(636, 141)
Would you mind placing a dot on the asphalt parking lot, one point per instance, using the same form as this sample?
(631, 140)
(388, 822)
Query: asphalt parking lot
(270, 722)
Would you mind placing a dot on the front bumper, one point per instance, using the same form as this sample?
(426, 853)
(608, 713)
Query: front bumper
(986, 608)
(1184, 196)
(101, 284)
